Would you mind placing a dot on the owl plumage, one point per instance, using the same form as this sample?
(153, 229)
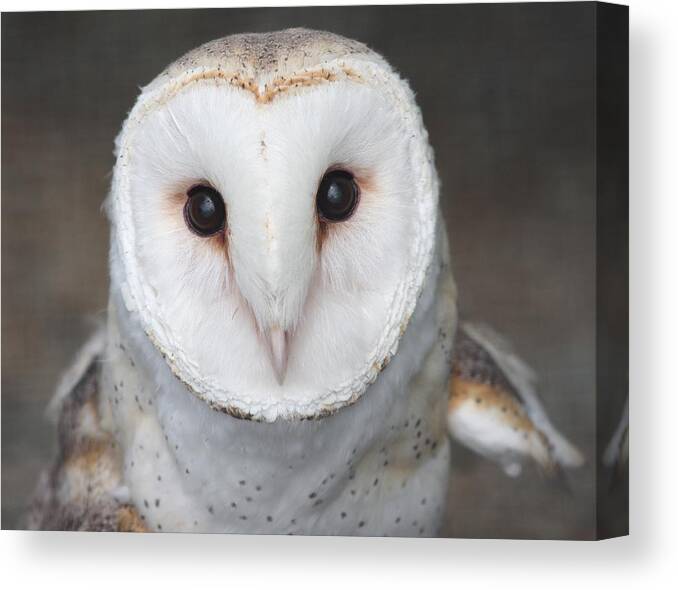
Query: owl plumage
(278, 347)
(616, 454)
(494, 408)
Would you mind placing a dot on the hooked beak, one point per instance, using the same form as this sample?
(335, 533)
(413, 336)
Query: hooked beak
(277, 341)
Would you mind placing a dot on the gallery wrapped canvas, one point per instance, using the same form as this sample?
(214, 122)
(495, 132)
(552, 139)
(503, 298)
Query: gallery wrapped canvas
(349, 271)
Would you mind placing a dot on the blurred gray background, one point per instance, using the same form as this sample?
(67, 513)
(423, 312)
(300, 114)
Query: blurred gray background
(507, 93)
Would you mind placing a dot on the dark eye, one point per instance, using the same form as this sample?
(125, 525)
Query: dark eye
(337, 196)
(204, 210)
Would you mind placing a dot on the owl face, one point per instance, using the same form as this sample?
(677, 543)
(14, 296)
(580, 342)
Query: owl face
(272, 227)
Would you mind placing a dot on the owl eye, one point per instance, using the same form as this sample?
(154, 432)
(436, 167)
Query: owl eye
(337, 196)
(204, 211)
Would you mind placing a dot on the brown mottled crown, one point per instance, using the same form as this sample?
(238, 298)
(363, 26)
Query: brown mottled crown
(267, 55)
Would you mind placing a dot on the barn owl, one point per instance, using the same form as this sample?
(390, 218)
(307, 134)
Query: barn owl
(278, 350)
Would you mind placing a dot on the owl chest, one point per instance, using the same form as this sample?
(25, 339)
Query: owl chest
(189, 468)
(387, 489)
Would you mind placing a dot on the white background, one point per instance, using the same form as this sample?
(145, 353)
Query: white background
(647, 557)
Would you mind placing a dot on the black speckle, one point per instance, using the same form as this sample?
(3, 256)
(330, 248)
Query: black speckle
(376, 481)
(157, 502)
(243, 517)
(146, 503)
(258, 488)
(242, 482)
(210, 509)
(423, 501)
(361, 524)
(343, 515)
(397, 520)
(318, 502)
(312, 495)
(159, 478)
(385, 463)
(418, 456)
(159, 526)
(269, 518)
(187, 471)
(248, 499)
(478, 400)
(234, 505)
(417, 423)
(352, 492)
(421, 530)
(323, 482)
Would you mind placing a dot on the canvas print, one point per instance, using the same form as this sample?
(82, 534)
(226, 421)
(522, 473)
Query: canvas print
(349, 271)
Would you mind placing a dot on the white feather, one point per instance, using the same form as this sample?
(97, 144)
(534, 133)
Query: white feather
(344, 303)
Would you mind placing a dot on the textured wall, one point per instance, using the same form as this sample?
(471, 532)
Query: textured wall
(507, 93)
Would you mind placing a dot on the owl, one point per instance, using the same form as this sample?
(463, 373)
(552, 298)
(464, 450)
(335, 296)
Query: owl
(279, 349)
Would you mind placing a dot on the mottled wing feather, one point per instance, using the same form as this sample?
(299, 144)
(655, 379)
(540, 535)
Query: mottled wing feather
(82, 490)
(494, 408)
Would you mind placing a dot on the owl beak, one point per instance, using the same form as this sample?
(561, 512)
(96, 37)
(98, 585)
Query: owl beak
(277, 341)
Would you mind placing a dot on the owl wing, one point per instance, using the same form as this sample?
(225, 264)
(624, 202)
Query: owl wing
(616, 454)
(494, 408)
(82, 489)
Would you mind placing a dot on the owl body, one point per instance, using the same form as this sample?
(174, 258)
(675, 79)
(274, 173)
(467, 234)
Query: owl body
(378, 467)
(280, 370)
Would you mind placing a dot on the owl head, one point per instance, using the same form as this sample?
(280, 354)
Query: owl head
(273, 213)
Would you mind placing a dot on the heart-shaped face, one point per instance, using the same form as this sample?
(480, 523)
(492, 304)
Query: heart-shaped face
(273, 208)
